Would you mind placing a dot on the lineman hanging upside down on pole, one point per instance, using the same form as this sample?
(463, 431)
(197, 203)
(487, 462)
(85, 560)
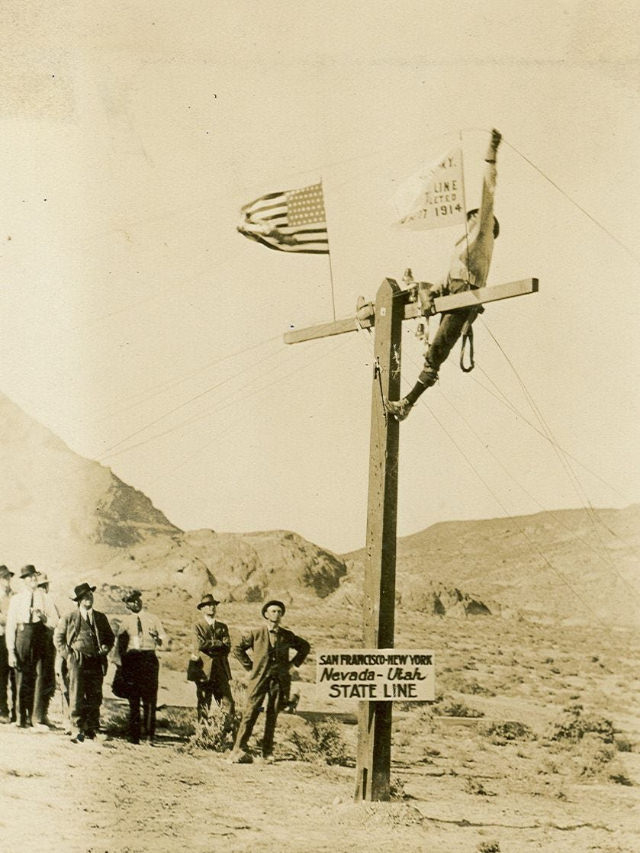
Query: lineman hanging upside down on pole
(468, 269)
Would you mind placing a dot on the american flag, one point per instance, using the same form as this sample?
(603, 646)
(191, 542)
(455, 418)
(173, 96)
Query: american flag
(290, 221)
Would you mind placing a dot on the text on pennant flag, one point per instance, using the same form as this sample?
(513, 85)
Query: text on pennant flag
(289, 221)
(434, 196)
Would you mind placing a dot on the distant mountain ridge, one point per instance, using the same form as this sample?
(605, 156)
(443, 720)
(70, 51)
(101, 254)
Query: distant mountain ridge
(568, 564)
(76, 520)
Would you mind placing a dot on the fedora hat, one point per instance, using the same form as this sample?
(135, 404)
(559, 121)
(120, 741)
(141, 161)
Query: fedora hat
(132, 596)
(27, 571)
(275, 601)
(207, 599)
(5, 573)
(81, 590)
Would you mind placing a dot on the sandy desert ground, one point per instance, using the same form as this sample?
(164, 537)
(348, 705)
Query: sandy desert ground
(504, 760)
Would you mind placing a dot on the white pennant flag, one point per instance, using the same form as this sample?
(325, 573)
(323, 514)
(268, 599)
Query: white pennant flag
(434, 196)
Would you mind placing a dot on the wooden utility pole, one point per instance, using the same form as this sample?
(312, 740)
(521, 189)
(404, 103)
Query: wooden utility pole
(392, 306)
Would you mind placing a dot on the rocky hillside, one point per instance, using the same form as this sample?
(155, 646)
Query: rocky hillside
(572, 564)
(76, 520)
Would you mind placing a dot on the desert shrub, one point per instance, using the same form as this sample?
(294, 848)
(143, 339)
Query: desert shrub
(468, 685)
(118, 724)
(594, 756)
(456, 709)
(573, 726)
(475, 786)
(623, 744)
(177, 721)
(397, 790)
(215, 733)
(218, 732)
(509, 730)
(620, 777)
(488, 847)
(319, 742)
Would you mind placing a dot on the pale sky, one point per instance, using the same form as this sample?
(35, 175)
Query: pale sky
(139, 326)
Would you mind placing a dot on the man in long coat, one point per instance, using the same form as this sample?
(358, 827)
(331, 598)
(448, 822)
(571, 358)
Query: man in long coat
(211, 638)
(84, 638)
(269, 676)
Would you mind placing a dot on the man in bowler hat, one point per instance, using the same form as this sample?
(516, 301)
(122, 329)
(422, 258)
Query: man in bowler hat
(139, 634)
(269, 680)
(84, 639)
(211, 638)
(31, 611)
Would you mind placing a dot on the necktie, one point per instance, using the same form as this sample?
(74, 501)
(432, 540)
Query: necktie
(94, 632)
(139, 628)
(31, 609)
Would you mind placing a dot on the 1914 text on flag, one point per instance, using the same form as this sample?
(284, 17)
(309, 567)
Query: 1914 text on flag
(434, 196)
(290, 221)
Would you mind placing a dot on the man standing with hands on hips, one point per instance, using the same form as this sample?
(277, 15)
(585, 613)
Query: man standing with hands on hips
(269, 679)
(84, 639)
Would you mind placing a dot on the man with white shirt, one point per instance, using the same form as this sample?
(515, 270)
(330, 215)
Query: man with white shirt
(139, 635)
(7, 677)
(30, 612)
(211, 637)
(84, 639)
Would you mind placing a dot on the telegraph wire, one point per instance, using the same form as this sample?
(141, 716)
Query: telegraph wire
(160, 387)
(219, 409)
(572, 476)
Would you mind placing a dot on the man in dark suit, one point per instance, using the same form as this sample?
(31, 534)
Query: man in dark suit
(211, 637)
(84, 638)
(270, 676)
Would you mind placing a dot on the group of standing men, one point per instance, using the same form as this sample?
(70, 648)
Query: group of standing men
(37, 646)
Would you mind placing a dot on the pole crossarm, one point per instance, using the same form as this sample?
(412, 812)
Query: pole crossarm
(413, 309)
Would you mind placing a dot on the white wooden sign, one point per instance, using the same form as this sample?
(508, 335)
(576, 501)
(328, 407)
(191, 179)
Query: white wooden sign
(376, 675)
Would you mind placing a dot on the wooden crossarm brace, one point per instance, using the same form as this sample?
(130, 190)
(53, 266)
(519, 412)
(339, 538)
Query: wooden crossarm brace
(466, 299)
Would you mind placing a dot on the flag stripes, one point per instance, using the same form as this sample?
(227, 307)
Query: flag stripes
(289, 221)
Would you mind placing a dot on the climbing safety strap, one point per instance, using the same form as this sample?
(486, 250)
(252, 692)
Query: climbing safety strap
(467, 337)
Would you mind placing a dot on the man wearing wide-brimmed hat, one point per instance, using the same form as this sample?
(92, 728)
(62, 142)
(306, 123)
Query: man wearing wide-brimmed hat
(84, 639)
(270, 676)
(6, 673)
(211, 638)
(139, 634)
(30, 612)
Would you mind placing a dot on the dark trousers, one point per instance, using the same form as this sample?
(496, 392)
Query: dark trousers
(5, 671)
(47, 685)
(140, 669)
(85, 692)
(217, 689)
(31, 639)
(272, 690)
